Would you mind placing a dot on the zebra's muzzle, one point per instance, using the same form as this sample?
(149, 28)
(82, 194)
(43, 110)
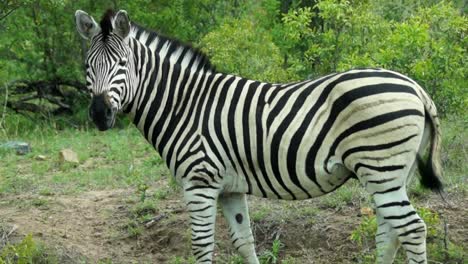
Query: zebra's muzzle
(102, 113)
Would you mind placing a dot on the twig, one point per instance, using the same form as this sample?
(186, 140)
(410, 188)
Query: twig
(8, 13)
(4, 106)
(154, 220)
(56, 101)
(6, 235)
(446, 242)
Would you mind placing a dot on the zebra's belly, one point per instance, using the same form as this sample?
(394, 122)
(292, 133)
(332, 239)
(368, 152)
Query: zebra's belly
(286, 188)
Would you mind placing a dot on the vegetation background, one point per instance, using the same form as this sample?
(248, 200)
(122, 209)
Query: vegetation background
(43, 99)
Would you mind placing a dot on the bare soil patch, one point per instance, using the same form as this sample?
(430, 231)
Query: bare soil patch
(91, 226)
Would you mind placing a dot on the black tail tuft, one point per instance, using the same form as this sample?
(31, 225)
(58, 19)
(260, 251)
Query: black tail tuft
(428, 177)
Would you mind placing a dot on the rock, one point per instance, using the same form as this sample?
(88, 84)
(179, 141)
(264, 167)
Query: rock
(41, 157)
(22, 148)
(68, 155)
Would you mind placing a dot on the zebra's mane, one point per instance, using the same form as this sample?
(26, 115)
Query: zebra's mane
(106, 23)
(172, 49)
(167, 48)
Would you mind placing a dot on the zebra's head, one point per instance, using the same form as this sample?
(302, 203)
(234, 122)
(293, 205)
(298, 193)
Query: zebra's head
(109, 65)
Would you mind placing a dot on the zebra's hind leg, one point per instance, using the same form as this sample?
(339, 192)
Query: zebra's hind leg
(395, 209)
(386, 241)
(236, 212)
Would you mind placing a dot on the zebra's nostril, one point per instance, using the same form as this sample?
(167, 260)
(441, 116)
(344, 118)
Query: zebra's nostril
(108, 112)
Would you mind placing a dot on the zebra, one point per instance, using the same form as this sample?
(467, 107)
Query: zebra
(224, 137)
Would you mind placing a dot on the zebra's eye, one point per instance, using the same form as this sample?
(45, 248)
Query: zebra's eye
(87, 65)
(123, 62)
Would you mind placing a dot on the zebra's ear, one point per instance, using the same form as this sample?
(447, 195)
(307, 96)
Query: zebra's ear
(121, 24)
(86, 25)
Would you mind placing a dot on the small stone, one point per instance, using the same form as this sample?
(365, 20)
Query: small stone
(41, 157)
(68, 155)
(22, 148)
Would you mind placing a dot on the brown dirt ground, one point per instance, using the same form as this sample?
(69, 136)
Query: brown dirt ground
(90, 226)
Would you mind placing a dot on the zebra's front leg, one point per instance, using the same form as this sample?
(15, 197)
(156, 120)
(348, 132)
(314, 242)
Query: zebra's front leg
(236, 212)
(201, 205)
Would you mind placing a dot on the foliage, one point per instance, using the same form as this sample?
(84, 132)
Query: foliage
(430, 45)
(269, 40)
(432, 221)
(366, 230)
(27, 251)
(271, 256)
(238, 47)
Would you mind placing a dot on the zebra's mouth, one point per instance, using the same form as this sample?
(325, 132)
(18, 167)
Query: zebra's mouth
(101, 113)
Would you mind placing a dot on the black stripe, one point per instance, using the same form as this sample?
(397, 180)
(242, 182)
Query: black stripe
(379, 234)
(415, 253)
(392, 204)
(259, 136)
(197, 178)
(201, 230)
(375, 168)
(196, 224)
(382, 181)
(201, 209)
(200, 187)
(388, 190)
(414, 221)
(397, 217)
(375, 147)
(411, 243)
(194, 202)
(204, 196)
(201, 237)
(411, 231)
(144, 53)
(246, 134)
(201, 244)
(206, 253)
(231, 124)
(169, 82)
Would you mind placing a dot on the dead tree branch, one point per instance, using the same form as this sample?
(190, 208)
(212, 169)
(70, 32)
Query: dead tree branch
(24, 94)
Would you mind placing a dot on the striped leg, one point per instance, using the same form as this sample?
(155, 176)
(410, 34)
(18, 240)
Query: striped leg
(236, 212)
(201, 204)
(386, 241)
(396, 210)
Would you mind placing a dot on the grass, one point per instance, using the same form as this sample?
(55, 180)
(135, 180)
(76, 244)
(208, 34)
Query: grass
(27, 251)
(115, 159)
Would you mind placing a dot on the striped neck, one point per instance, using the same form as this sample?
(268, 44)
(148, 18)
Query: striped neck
(162, 93)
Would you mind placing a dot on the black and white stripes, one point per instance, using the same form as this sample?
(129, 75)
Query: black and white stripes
(224, 136)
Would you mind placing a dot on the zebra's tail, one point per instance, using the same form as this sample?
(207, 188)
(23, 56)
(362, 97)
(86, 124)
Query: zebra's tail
(431, 170)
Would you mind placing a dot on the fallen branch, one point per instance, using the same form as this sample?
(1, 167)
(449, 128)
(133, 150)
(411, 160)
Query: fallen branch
(22, 106)
(154, 220)
(49, 90)
(5, 235)
(160, 217)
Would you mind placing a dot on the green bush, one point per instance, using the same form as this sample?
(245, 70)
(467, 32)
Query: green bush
(240, 47)
(429, 44)
(27, 251)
